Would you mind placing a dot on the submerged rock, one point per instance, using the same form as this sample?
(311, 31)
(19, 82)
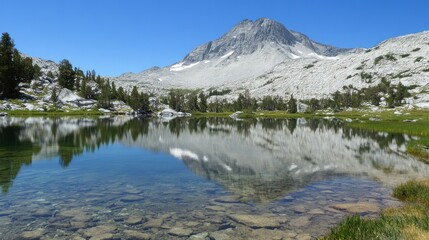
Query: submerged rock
(34, 234)
(359, 207)
(256, 221)
(99, 230)
(180, 232)
(136, 235)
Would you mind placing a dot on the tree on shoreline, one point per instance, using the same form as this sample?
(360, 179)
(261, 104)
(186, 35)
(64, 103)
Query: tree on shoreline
(13, 68)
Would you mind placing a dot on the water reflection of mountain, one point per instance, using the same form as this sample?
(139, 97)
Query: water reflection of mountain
(259, 160)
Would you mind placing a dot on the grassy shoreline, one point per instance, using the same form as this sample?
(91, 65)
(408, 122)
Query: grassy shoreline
(411, 221)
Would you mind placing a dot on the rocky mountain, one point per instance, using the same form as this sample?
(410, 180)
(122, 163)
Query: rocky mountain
(269, 59)
(248, 50)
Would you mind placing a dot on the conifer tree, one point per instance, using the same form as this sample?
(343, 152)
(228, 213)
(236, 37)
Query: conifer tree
(8, 80)
(292, 106)
(203, 102)
(67, 75)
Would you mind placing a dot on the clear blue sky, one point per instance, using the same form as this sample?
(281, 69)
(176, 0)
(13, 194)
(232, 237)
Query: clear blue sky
(114, 36)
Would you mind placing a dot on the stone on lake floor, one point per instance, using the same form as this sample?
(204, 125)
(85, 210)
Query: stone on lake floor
(299, 209)
(136, 235)
(256, 221)
(34, 234)
(216, 208)
(134, 220)
(300, 222)
(191, 224)
(221, 235)
(316, 211)
(199, 236)
(263, 233)
(99, 230)
(359, 207)
(42, 212)
(180, 231)
(104, 236)
(78, 238)
(154, 223)
(78, 224)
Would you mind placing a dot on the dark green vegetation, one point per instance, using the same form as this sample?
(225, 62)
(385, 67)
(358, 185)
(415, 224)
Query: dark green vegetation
(388, 57)
(13, 68)
(89, 85)
(196, 101)
(408, 222)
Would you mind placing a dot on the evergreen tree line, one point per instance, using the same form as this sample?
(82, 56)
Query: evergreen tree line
(14, 69)
(356, 98)
(183, 101)
(350, 97)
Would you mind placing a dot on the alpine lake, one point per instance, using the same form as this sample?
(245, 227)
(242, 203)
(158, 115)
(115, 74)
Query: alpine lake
(121, 177)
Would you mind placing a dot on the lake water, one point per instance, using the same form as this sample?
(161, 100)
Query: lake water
(197, 178)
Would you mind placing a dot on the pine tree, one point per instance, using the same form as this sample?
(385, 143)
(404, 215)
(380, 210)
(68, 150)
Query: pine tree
(192, 104)
(121, 94)
(292, 106)
(113, 91)
(8, 80)
(203, 102)
(134, 101)
(54, 96)
(67, 75)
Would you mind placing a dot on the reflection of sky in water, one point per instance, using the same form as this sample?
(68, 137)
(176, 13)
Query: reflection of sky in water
(117, 167)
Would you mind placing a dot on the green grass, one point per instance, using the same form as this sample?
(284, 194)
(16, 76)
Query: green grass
(408, 222)
(392, 123)
(211, 114)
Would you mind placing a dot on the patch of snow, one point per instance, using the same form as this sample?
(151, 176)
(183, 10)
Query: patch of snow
(207, 61)
(294, 56)
(180, 67)
(292, 167)
(160, 79)
(228, 168)
(180, 153)
(322, 57)
(205, 159)
(227, 55)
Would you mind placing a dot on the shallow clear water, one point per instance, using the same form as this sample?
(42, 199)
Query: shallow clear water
(125, 178)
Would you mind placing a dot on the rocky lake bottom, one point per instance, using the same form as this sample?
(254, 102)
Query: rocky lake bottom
(127, 189)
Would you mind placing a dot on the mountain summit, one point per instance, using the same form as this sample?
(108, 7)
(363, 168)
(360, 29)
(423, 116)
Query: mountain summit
(249, 36)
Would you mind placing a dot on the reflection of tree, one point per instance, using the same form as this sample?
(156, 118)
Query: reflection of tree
(13, 154)
(291, 125)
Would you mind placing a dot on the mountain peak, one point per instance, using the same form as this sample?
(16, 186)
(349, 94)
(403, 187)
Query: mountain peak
(249, 36)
